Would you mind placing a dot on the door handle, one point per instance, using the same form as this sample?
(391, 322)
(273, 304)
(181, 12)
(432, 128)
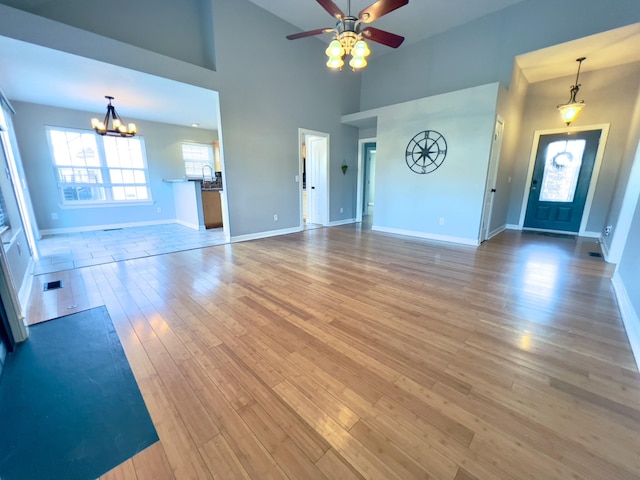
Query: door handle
(493, 190)
(313, 188)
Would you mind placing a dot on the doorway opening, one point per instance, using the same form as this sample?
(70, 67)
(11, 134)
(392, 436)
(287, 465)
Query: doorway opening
(314, 171)
(366, 180)
(563, 173)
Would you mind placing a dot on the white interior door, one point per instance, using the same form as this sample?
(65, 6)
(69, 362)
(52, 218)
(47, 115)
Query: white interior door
(317, 150)
(492, 175)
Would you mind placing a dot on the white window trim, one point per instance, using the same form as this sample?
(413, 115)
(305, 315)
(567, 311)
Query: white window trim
(107, 185)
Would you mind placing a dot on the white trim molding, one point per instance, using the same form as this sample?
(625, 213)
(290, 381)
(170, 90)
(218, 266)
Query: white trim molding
(337, 223)
(629, 316)
(92, 228)
(259, 235)
(429, 236)
(193, 226)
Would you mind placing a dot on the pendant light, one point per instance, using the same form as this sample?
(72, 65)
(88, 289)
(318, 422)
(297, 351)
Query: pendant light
(572, 108)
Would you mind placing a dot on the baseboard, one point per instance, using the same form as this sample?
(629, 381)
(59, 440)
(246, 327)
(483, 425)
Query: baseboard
(27, 283)
(341, 222)
(512, 226)
(259, 235)
(497, 231)
(193, 226)
(429, 236)
(629, 316)
(92, 228)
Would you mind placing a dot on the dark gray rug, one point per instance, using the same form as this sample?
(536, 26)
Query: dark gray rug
(70, 407)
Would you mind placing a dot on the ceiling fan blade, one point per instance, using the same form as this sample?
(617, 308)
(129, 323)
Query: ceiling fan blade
(386, 38)
(380, 8)
(332, 8)
(310, 33)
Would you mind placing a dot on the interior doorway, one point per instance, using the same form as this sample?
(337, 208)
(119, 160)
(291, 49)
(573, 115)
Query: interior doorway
(560, 182)
(369, 178)
(314, 169)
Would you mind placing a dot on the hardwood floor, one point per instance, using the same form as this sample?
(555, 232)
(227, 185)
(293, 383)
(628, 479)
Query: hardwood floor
(345, 354)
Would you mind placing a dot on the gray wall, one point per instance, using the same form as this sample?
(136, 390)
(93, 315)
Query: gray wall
(601, 90)
(269, 87)
(629, 265)
(483, 51)
(266, 93)
(164, 160)
(182, 30)
(445, 204)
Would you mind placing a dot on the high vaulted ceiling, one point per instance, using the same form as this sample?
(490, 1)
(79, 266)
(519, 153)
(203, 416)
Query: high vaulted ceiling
(416, 21)
(36, 74)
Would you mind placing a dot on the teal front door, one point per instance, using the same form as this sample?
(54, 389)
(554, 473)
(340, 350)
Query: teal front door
(560, 183)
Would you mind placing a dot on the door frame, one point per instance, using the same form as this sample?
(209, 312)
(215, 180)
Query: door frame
(302, 133)
(360, 176)
(492, 180)
(604, 127)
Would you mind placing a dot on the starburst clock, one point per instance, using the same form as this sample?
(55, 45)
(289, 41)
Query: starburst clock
(426, 151)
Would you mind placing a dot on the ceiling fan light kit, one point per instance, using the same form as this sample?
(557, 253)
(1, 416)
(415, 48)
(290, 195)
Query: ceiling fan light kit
(349, 35)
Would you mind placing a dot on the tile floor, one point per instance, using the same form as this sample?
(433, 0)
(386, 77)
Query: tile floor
(76, 250)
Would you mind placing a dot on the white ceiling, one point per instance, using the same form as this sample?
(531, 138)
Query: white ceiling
(36, 74)
(416, 21)
(607, 49)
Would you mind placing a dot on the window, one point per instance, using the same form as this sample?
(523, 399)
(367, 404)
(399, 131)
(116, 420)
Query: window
(562, 168)
(92, 169)
(196, 157)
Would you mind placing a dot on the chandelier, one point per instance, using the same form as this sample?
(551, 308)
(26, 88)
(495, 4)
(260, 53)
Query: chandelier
(572, 108)
(120, 128)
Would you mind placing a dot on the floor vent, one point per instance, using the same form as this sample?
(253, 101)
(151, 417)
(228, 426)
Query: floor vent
(595, 254)
(53, 285)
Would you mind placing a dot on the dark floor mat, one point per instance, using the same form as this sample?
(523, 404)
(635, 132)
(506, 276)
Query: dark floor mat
(70, 407)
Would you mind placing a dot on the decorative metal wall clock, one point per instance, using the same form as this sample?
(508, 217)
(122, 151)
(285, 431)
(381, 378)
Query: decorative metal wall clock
(426, 151)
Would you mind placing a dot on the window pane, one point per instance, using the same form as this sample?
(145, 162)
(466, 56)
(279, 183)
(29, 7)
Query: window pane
(80, 175)
(123, 152)
(561, 170)
(83, 194)
(140, 177)
(74, 148)
(142, 192)
(196, 157)
(116, 175)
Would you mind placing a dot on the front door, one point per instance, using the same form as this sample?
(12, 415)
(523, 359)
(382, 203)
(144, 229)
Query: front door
(560, 183)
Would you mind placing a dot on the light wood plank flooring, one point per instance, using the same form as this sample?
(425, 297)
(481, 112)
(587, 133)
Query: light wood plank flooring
(345, 354)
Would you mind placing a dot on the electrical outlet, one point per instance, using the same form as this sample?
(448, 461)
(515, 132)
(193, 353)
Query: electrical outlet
(275, 217)
(441, 221)
(159, 209)
(607, 230)
(54, 216)
(341, 210)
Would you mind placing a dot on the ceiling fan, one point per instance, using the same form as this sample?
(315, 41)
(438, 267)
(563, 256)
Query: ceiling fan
(349, 31)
